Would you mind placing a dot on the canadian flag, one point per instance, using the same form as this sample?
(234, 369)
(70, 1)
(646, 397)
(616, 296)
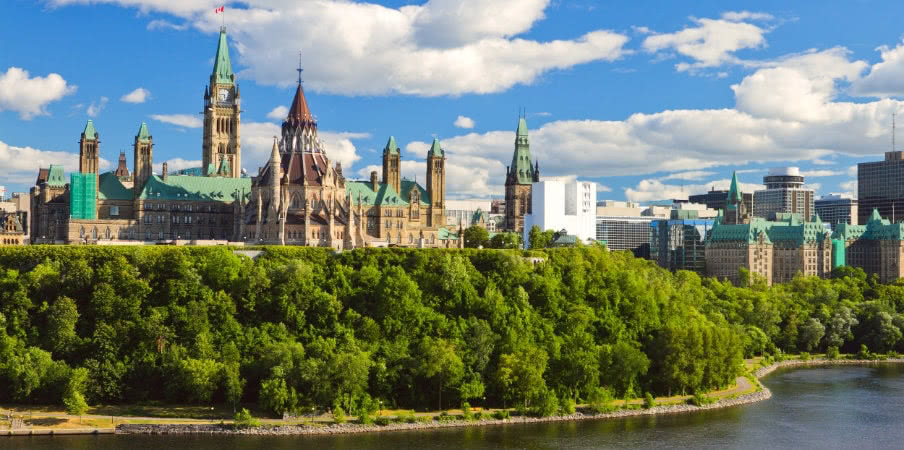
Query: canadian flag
(219, 10)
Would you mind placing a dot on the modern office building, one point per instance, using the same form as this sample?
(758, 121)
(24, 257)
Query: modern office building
(834, 209)
(880, 186)
(462, 211)
(784, 193)
(558, 205)
(625, 233)
(679, 243)
(716, 199)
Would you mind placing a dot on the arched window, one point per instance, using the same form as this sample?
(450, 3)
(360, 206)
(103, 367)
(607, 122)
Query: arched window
(107, 233)
(81, 232)
(410, 238)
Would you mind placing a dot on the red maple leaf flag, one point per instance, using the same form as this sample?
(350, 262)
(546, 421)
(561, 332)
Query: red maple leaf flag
(219, 10)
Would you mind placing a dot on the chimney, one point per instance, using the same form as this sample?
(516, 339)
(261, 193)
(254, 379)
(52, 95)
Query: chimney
(373, 180)
(164, 172)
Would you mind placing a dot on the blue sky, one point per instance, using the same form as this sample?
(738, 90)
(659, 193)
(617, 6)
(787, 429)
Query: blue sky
(650, 99)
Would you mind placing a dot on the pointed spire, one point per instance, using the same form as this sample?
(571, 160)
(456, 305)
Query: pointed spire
(391, 147)
(143, 134)
(90, 133)
(875, 216)
(299, 110)
(521, 170)
(435, 149)
(222, 67)
(522, 127)
(274, 154)
(734, 193)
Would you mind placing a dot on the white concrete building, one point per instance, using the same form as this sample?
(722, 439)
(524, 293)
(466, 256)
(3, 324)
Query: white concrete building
(563, 205)
(462, 211)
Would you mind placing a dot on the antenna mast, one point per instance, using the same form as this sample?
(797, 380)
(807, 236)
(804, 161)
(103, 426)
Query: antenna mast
(299, 69)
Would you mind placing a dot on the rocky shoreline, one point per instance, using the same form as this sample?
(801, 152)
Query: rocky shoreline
(763, 394)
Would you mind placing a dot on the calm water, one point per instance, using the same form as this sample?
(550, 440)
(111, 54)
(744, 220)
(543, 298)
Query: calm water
(844, 407)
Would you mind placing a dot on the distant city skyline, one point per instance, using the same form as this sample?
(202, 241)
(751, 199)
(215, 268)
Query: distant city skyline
(649, 101)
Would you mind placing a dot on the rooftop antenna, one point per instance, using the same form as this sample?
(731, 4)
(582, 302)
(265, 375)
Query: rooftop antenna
(893, 114)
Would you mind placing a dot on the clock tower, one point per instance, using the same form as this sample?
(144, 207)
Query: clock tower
(222, 153)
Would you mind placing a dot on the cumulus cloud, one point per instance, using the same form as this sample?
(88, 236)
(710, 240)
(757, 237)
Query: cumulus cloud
(710, 42)
(464, 122)
(139, 95)
(886, 78)
(175, 164)
(96, 107)
(278, 113)
(29, 95)
(689, 175)
(441, 47)
(820, 173)
(850, 187)
(20, 164)
(652, 189)
(165, 24)
(182, 120)
(740, 16)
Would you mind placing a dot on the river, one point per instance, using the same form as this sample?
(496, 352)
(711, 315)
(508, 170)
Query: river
(837, 407)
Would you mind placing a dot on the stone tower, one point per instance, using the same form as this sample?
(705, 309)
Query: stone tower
(143, 157)
(392, 165)
(89, 150)
(436, 184)
(735, 210)
(222, 153)
(518, 181)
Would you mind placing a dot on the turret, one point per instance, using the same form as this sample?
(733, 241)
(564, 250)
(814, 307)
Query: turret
(392, 165)
(436, 184)
(143, 157)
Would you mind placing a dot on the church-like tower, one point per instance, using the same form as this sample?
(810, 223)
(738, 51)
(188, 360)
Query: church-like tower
(143, 157)
(519, 179)
(436, 184)
(222, 153)
(392, 165)
(89, 150)
(735, 210)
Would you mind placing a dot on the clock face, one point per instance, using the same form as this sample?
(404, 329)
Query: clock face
(224, 95)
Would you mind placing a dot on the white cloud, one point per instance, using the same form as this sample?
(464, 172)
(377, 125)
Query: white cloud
(161, 24)
(850, 187)
(172, 165)
(652, 189)
(442, 47)
(820, 173)
(278, 113)
(139, 95)
(740, 16)
(710, 42)
(886, 78)
(464, 122)
(257, 142)
(20, 164)
(29, 95)
(95, 108)
(182, 120)
(852, 171)
(689, 175)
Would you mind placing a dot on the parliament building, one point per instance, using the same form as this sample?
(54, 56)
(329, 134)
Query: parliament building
(299, 197)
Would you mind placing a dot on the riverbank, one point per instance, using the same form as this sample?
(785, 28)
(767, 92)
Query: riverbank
(762, 393)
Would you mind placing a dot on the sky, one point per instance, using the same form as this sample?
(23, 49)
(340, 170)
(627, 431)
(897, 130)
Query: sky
(652, 100)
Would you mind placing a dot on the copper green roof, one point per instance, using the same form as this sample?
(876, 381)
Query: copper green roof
(90, 133)
(848, 232)
(56, 176)
(445, 234)
(143, 134)
(224, 167)
(385, 195)
(435, 149)
(222, 67)
(521, 162)
(112, 189)
(734, 193)
(742, 232)
(391, 147)
(188, 188)
(790, 230)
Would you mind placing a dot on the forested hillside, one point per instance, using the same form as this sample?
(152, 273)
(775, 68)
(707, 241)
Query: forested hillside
(301, 327)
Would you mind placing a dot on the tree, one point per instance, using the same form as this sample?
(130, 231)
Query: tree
(521, 374)
(810, 334)
(538, 238)
(234, 384)
(440, 361)
(838, 329)
(62, 317)
(476, 236)
(506, 240)
(73, 399)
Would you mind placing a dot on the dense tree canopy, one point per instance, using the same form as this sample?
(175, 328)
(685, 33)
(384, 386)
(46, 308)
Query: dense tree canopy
(302, 327)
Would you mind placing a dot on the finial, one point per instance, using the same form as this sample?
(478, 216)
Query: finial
(299, 69)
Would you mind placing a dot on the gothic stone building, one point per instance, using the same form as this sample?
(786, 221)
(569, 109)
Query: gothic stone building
(298, 198)
(877, 247)
(519, 178)
(301, 198)
(774, 250)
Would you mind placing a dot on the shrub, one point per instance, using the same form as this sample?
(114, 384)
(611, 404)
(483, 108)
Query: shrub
(383, 421)
(480, 415)
(338, 414)
(600, 400)
(445, 417)
(864, 353)
(502, 414)
(244, 419)
(548, 404)
(568, 406)
(832, 352)
(648, 401)
(699, 400)
(423, 419)
(365, 418)
(407, 417)
(804, 356)
(466, 411)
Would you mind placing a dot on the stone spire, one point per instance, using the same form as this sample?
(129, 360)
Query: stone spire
(521, 171)
(222, 67)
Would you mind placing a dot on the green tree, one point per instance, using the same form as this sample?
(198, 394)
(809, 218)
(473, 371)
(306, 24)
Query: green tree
(440, 361)
(521, 374)
(810, 334)
(476, 236)
(538, 238)
(73, 398)
(62, 317)
(506, 240)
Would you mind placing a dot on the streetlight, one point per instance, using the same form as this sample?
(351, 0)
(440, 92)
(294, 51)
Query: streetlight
(380, 413)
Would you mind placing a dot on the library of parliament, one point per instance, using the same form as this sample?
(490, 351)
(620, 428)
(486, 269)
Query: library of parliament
(299, 197)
